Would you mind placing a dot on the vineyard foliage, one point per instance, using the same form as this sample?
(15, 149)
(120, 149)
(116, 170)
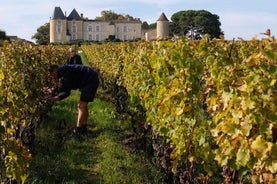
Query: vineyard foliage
(23, 80)
(214, 100)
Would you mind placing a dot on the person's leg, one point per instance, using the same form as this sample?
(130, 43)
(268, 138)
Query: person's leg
(82, 114)
(87, 95)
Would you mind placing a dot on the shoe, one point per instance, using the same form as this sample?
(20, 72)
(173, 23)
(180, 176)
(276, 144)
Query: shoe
(78, 130)
(78, 134)
(84, 129)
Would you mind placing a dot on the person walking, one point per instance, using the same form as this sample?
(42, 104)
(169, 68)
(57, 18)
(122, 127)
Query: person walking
(74, 58)
(75, 77)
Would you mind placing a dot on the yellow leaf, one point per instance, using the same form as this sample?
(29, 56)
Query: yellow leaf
(1, 75)
(261, 147)
(212, 101)
(187, 108)
(273, 167)
(259, 144)
(243, 87)
(179, 112)
(226, 97)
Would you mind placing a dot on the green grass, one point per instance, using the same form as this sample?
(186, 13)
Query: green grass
(100, 157)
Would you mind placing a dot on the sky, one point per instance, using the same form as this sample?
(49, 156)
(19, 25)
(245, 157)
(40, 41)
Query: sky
(244, 19)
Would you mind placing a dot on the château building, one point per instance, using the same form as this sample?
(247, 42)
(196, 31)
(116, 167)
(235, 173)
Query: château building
(74, 27)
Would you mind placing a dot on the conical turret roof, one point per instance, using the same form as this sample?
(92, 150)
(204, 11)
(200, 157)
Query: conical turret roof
(162, 17)
(74, 15)
(58, 13)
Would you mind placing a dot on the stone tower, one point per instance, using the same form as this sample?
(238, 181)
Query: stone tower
(64, 28)
(162, 26)
(75, 25)
(58, 26)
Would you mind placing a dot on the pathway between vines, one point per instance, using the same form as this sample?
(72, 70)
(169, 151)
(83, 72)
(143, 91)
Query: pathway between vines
(104, 155)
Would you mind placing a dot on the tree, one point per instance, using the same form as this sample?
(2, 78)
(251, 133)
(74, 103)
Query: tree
(42, 36)
(153, 25)
(185, 21)
(2, 35)
(110, 15)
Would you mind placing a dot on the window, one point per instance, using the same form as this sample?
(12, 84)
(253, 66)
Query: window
(97, 28)
(90, 37)
(59, 37)
(90, 28)
(125, 29)
(73, 37)
(59, 28)
(74, 29)
(125, 37)
(97, 37)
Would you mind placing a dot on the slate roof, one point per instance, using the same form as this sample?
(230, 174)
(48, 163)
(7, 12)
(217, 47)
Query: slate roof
(74, 15)
(58, 13)
(145, 25)
(162, 17)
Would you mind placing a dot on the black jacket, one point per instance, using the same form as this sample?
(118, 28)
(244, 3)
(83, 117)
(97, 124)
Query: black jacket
(74, 77)
(74, 60)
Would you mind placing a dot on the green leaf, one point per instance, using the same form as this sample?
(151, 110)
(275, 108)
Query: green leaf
(202, 140)
(250, 104)
(259, 145)
(229, 128)
(243, 157)
(164, 130)
(274, 152)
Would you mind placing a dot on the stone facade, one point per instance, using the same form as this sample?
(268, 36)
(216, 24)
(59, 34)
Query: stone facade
(76, 27)
(162, 27)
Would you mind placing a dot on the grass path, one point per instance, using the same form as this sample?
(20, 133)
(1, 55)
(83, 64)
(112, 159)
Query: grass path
(99, 157)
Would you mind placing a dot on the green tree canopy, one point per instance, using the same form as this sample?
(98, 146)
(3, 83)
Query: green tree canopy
(2, 35)
(111, 15)
(42, 36)
(183, 21)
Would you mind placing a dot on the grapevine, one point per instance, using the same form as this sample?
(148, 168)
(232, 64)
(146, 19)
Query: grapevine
(213, 100)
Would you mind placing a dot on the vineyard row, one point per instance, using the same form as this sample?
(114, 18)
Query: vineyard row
(214, 101)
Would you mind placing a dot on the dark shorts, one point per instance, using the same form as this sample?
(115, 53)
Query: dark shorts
(88, 92)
